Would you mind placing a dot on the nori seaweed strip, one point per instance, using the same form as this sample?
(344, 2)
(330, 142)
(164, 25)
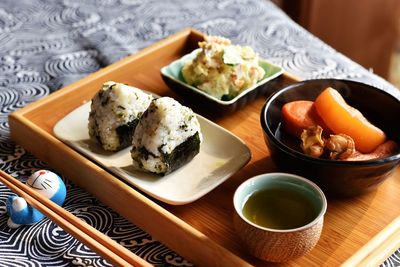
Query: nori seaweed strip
(183, 153)
(145, 153)
(125, 133)
(105, 99)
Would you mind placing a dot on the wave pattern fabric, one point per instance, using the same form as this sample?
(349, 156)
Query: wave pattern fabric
(45, 45)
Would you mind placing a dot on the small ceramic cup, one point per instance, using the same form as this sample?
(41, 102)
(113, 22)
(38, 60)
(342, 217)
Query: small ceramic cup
(277, 245)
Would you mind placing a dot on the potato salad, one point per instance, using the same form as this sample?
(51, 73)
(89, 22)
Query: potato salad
(221, 69)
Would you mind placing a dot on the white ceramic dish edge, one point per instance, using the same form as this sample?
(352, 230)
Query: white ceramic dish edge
(221, 155)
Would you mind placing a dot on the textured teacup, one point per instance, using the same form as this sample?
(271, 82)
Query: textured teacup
(279, 244)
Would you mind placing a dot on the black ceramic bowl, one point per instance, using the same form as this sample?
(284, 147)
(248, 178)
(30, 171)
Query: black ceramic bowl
(338, 178)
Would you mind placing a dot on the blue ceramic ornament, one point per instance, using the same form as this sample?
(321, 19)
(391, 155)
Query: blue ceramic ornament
(45, 183)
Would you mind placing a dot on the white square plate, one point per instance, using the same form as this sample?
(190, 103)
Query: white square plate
(221, 155)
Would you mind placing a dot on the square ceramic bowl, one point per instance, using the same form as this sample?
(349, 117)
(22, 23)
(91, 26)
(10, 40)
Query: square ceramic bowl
(172, 76)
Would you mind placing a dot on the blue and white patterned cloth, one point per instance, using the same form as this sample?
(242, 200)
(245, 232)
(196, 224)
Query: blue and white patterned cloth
(46, 45)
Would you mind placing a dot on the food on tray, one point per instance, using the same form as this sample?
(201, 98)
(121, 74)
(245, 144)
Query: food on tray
(299, 115)
(167, 136)
(312, 142)
(223, 70)
(342, 118)
(164, 134)
(336, 146)
(386, 149)
(340, 146)
(115, 112)
(330, 128)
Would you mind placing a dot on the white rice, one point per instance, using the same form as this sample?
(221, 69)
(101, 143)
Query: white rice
(165, 125)
(114, 105)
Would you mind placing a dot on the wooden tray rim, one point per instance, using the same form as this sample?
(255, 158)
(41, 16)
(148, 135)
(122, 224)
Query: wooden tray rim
(18, 118)
(375, 251)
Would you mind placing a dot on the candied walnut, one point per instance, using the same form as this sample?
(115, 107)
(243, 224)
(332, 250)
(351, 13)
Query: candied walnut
(312, 142)
(341, 146)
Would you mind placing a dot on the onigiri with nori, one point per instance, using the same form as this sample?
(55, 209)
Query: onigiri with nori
(115, 111)
(167, 136)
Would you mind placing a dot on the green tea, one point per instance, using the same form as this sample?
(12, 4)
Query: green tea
(280, 208)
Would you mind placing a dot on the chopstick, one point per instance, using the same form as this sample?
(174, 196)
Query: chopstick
(379, 248)
(107, 248)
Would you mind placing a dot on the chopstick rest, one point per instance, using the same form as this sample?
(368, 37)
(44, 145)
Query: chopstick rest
(45, 183)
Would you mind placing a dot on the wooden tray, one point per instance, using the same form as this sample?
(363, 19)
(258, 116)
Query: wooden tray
(201, 231)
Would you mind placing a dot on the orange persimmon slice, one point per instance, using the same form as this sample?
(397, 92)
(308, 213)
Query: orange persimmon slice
(342, 118)
(299, 115)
